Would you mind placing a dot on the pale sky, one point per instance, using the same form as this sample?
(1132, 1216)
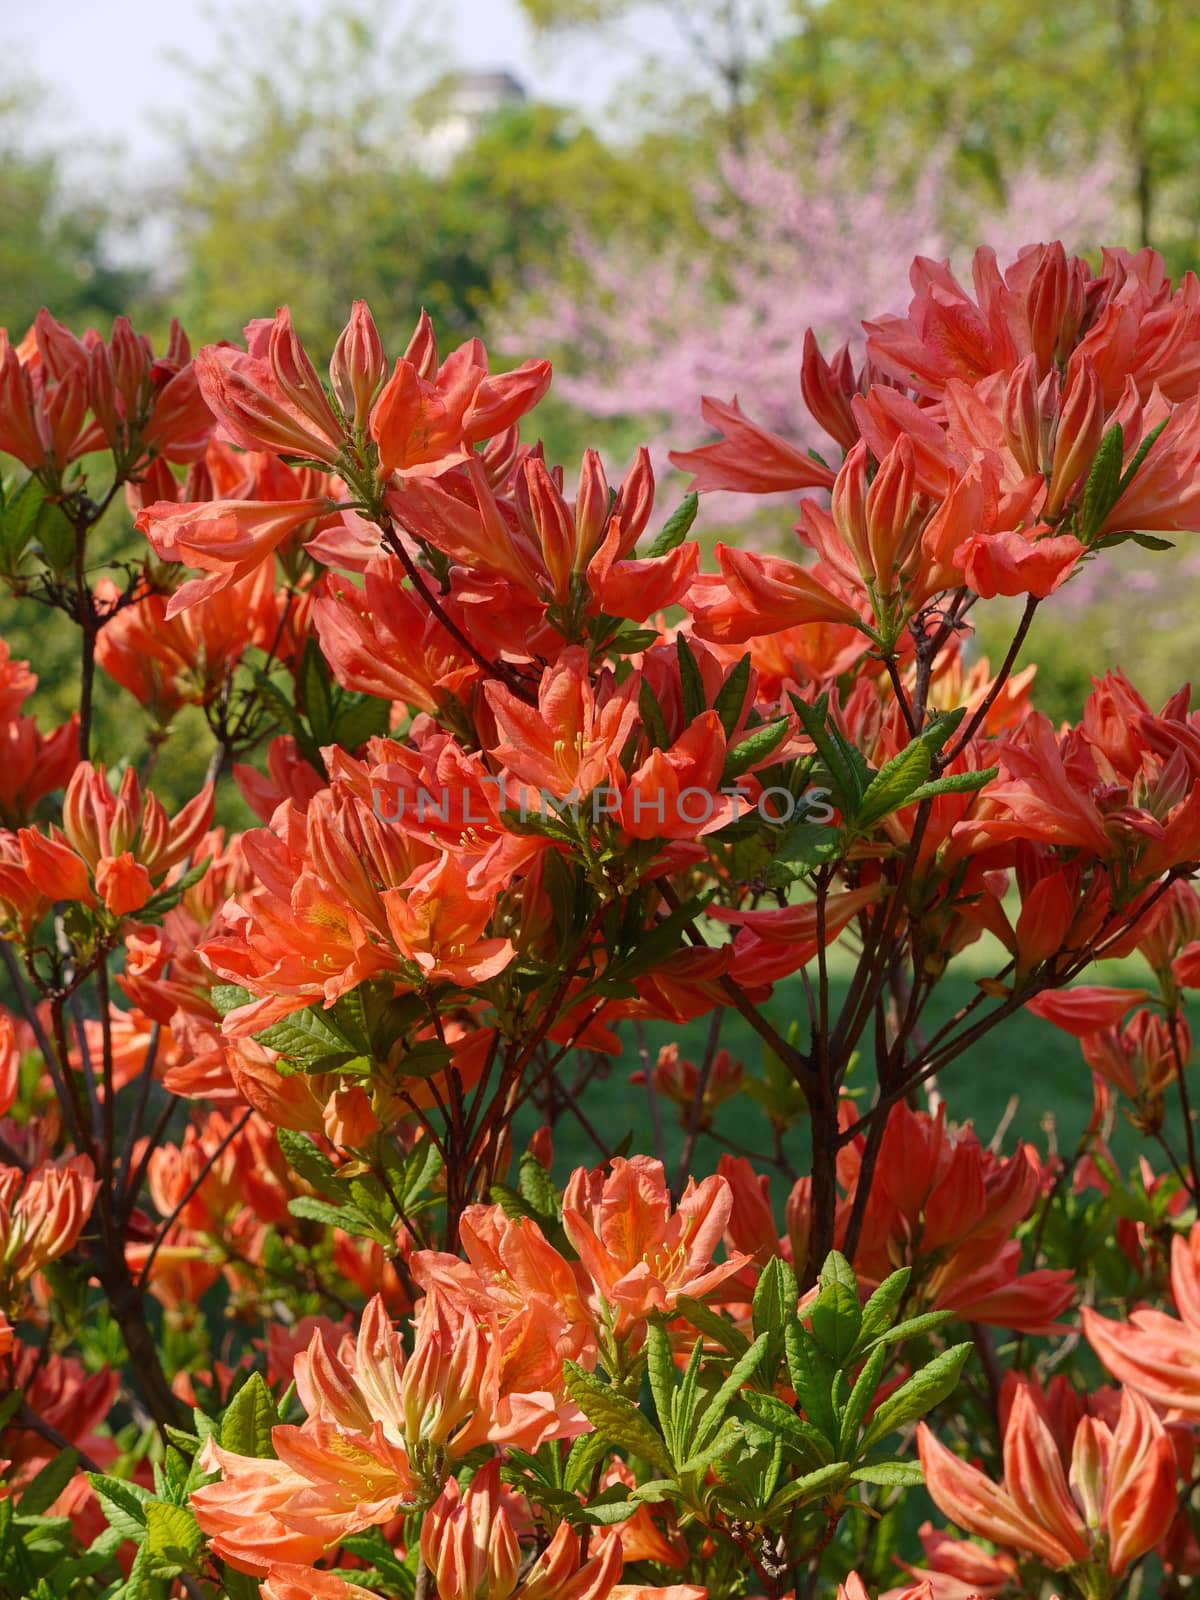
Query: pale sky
(106, 59)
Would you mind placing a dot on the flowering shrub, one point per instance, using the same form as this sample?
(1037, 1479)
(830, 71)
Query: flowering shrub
(285, 1309)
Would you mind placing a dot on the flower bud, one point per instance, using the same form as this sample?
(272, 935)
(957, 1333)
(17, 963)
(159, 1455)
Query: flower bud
(1080, 430)
(827, 389)
(468, 1543)
(1023, 418)
(359, 367)
(591, 509)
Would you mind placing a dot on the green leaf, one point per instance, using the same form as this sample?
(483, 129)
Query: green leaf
(240, 1585)
(728, 1436)
(812, 1375)
(22, 508)
(879, 1310)
(652, 717)
(816, 1485)
(891, 787)
(169, 897)
(731, 697)
(712, 1324)
(677, 526)
(660, 1370)
(891, 1474)
(617, 1419)
(55, 536)
(315, 687)
(782, 1423)
(836, 1319)
(861, 1396)
(1103, 485)
(739, 1375)
(45, 1488)
(953, 783)
(227, 997)
(844, 777)
(312, 1038)
(124, 1504)
(172, 1532)
(924, 1390)
(912, 1327)
(1143, 451)
(537, 1186)
(348, 1217)
(690, 682)
(302, 1155)
(836, 1269)
(776, 1296)
(754, 749)
(140, 1585)
(684, 1401)
(804, 846)
(359, 717)
(248, 1421)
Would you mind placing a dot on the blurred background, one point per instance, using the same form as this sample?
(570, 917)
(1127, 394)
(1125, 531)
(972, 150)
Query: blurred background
(660, 196)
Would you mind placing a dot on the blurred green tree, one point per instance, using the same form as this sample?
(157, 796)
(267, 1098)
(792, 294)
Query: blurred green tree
(53, 244)
(329, 184)
(1007, 79)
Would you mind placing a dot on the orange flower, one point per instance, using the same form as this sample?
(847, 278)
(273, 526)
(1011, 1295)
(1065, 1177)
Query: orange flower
(242, 1512)
(42, 1218)
(638, 1253)
(748, 458)
(572, 742)
(1117, 1504)
(438, 923)
(467, 1540)
(121, 847)
(1154, 1353)
(227, 538)
(763, 594)
(269, 395)
(289, 1581)
(428, 416)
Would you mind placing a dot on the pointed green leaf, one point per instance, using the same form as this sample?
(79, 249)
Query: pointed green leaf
(677, 526)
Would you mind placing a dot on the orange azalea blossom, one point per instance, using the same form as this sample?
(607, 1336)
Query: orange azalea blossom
(637, 1252)
(529, 535)
(229, 539)
(747, 458)
(382, 640)
(571, 743)
(42, 1215)
(169, 663)
(946, 1206)
(959, 1570)
(315, 924)
(1153, 1352)
(678, 1080)
(117, 849)
(438, 924)
(430, 413)
(289, 1581)
(241, 1512)
(1115, 1503)
(774, 943)
(467, 1540)
(32, 764)
(530, 1308)
(269, 395)
(421, 1403)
